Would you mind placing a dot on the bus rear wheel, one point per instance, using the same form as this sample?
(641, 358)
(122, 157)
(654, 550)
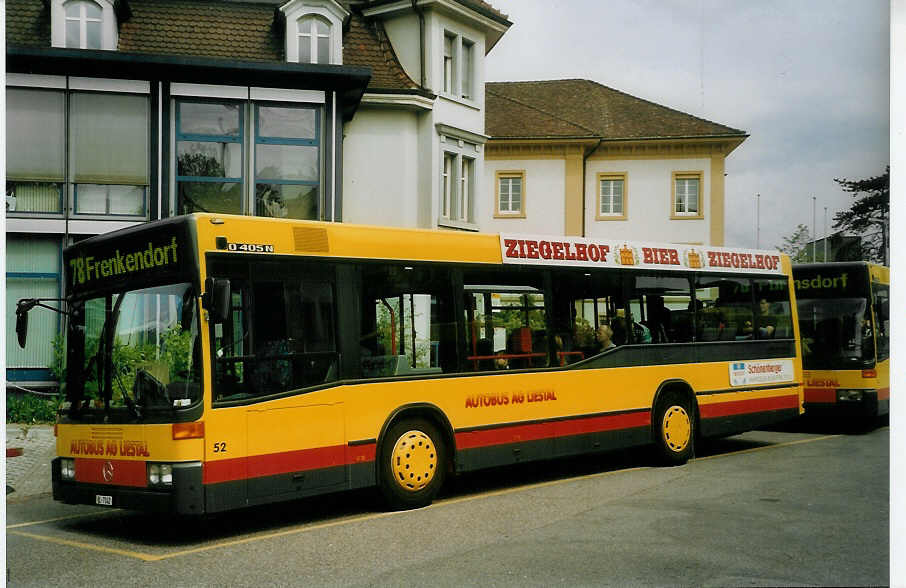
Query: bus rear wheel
(674, 429)
(413, 464)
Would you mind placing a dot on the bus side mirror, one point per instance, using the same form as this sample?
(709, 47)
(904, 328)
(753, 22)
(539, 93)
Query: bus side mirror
(22, 308)
(217, 298)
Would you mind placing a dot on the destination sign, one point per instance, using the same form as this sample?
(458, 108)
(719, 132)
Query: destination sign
(154, 252)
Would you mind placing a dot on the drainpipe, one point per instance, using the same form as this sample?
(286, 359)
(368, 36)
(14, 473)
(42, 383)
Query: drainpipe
(584, 161)
(421, 39)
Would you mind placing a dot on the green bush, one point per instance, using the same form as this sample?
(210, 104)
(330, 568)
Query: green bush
(32, 409)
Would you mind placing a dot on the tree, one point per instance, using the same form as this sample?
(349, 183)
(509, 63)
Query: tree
(796, 245)
(869, 215)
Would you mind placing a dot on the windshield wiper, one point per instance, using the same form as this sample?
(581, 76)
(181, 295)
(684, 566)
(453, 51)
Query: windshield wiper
(107, 332)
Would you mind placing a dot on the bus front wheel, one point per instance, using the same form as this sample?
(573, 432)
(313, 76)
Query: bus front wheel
(413, 464)
(674, 429)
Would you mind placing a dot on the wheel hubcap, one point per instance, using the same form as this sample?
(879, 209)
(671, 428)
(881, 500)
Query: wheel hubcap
(414, 460)
(677, 428)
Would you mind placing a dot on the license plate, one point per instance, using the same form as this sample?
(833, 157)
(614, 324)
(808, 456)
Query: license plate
(103, 500)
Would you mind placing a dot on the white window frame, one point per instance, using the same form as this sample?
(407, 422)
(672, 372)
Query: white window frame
(458, 185)
(600, 213)
(509, 212)
(310, 22)
(685, 213)
(296, 11)
(467, 67)
(449, 63)
(457, 70)
(58, 19)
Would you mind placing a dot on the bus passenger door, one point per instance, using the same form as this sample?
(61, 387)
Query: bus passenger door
(295, 450)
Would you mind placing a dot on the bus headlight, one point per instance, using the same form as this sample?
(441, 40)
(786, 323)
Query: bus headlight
(160, 474)
(67, 468)
(847, 395)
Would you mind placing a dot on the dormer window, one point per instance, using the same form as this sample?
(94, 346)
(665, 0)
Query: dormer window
(314, 31)
(314, 39)
(83, 24)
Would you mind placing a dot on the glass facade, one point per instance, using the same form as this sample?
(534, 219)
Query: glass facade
(90, 156)
(213, 158)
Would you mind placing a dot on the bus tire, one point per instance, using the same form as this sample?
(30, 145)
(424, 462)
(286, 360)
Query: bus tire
(412, 464)
(674, 429)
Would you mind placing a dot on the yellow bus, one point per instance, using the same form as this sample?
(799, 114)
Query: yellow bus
(217, 362)
(844, 316)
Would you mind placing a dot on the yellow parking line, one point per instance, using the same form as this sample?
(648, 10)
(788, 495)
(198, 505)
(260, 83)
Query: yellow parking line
(772, 446)
(369, 517)
(90, 546)
(76, 516)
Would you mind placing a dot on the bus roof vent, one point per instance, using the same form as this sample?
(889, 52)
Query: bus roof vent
(308, 239)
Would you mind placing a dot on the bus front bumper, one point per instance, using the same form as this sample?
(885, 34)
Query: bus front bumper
(184, 497)
(852, 401)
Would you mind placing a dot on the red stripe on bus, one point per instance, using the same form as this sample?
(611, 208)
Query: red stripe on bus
(361, 453)
(546, 430)
(822, 395)
(256, 466)
(296, 461)
(119, 472)
(722, 409)
(883, 393)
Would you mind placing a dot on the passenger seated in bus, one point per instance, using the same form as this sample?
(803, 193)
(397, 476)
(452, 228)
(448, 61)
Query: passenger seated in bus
(767, 322)
(604, 334)
(619, 334)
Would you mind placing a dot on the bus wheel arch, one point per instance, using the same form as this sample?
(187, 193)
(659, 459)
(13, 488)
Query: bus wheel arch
(415, 437)
(674, 422)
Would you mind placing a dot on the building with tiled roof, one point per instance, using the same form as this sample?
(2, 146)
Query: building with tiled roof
(124, 111)
(604, 162)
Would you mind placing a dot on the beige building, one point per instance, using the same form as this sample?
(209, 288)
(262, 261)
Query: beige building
(578, 158)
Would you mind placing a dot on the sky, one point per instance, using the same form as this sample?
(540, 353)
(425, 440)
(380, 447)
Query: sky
(808, 80)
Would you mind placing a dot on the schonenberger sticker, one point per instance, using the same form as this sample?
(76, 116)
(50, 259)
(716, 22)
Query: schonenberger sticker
(751, 373)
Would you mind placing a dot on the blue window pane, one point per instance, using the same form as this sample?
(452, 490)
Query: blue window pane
(286, 201)
(209, 159)
(218, 120)
(224, 197)
(286, 162)
(288, 123)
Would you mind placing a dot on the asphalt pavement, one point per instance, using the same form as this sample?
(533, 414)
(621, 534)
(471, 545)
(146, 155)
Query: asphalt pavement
(28, 472)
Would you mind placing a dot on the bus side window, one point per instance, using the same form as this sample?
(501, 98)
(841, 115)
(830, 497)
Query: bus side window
(232, 343)
(506, 323)
(773, 318)
(312, 332)
(407, 326)
(271, 370)
(724, 310)
(881, 295)
(663, 305)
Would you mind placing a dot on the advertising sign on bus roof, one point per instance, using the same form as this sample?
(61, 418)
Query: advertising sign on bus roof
(603, 253)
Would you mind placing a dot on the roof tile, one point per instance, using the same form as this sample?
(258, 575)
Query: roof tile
(583, 108)
(243, 31)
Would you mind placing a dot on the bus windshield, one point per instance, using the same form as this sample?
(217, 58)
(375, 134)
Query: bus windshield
(836, 333)
(139, 351)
